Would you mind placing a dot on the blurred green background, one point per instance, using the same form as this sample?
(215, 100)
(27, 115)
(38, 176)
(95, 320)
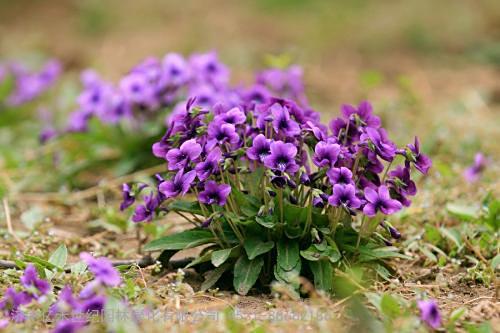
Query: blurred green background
(429, 61)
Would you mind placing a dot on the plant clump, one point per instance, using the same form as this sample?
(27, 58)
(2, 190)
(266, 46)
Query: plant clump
(276, 194)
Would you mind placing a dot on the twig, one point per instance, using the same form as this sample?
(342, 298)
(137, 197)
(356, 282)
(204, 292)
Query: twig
(142, 263)
(478, 299)
(9, 221)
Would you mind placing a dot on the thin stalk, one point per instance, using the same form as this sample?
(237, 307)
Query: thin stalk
(386, 171)
(280, 199)
(187, 218)
(309, 214)
(360, 230)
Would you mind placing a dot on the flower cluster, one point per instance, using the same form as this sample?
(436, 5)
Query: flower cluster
(35, 289)
(27, 84)
(73, 308)
(347, 166)
(156, 84)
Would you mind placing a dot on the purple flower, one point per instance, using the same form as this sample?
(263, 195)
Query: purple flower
(210, 166)
(385, 148)
(37, 287)
(207, 68)
(429, 312)
(282, 157)
(214, 194)
(129, 195)
(326, 154)
(344, 195)
(68, 326)
(422, 162)
(179, 185)
(66, 302)
(47, 134)
(146, 211)
(402, 185)
(136, 88)
(175, 70)
(473, 173)
(261, 147)
(221, 133)
(102, 269)
(282, 123)
(161, 148)
(284, 82)
(363, 113)
(178, 158)
(30, 85)
(11, 302)
(380, 201)
(78, 121)
(340, 175)
(234, 116)
(93, 305)
(257, 94)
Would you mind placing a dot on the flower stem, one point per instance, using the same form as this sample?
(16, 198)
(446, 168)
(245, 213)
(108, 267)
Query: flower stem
(360, 231)
(309, 214)
(386, 171)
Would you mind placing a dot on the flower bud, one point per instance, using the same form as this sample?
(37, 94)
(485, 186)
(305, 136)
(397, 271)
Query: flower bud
(279, 181)
(394, 233)
(304, 179)
(291, 184)
(206, 223)
(293, 200)
(324, 196)
(318, 202)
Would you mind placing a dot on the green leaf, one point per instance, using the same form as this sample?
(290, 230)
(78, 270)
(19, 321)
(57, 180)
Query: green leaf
(466, 213)
(293, 214)
(246, 273)
(255, 247)
(42, 262)
(452, 234)
(213, 276)
(456, 315)
(124, 323)
(200, 259)
(428, 253)
(220, 256)
(180, 241)
(78, 268)
(32, 217)
(383, 272)
(59, 256)
(495, 262)
(311, 253)
(493, 217)
(323, 274)
(265, 221)
(368, 254)
(288, 254)
(332, 251)
(289, 277)
(390, 306)
(186, 206)
(254, 180)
